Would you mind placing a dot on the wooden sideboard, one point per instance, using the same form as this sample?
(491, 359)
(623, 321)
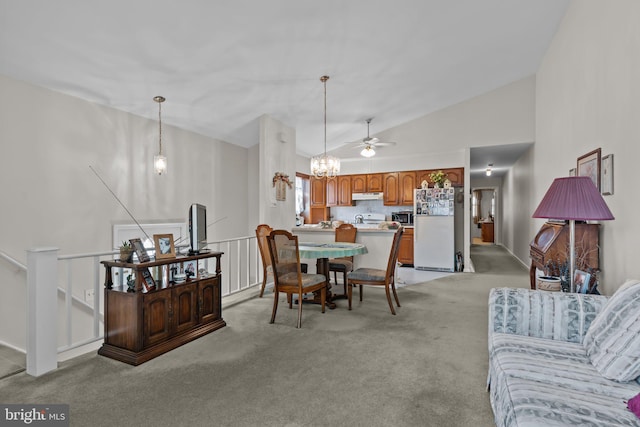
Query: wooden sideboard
(551, 246)
(141, 324)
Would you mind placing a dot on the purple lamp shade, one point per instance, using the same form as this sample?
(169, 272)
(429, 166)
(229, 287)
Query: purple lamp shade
(573, 198)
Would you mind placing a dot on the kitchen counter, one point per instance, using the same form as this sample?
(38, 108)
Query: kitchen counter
(317, 228)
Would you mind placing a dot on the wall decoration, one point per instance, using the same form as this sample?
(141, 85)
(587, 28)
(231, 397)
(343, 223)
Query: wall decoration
(589, 165)
(280, 182)
(572, 172)
(607, 175)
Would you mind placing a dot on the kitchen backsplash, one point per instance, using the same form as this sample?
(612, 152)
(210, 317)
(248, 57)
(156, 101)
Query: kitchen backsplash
(348, 213)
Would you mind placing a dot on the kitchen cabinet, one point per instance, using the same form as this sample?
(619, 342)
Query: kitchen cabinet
(405, 251)
(339, 191)
(398, 188)
(318, 192)
(391, 195)
(358, 183)
(375, 183)
(344, 191)
(455, 175)
(407, 182)
(367, 183)
(332, 191)
(139, 326)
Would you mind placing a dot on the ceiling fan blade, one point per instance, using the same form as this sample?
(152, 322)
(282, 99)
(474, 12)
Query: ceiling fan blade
(382, 144)
(370, 141)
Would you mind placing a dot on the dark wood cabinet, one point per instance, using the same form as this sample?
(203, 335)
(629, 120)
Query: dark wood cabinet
(487, 232)
(405, 251)
(550, 248)
(139, 326)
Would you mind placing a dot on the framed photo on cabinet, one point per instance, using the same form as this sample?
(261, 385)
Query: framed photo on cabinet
(607, 175)
(164, 246)
(589, 165)
(147, 280)
(139, 249)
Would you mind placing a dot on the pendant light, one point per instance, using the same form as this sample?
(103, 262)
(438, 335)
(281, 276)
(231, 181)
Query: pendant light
(324, 165)
(159, 160)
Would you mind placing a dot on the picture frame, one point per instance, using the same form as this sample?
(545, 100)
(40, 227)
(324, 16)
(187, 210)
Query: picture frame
(147, 280)
(607, 175)
(164, 245)
(581, 281)
(140, 250)
(589, 165)
(190, 269)
(572, 172)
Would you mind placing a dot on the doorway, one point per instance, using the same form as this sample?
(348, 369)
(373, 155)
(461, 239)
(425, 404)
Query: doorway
(484, 218)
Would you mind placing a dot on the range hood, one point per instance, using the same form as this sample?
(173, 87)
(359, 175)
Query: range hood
(366, 196)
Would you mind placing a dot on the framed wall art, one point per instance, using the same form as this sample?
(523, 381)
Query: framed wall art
(589, 165)
(607, 175)
(572, 172)
(164, 246)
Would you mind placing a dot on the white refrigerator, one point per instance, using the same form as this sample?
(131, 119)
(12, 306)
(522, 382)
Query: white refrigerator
(433, 234)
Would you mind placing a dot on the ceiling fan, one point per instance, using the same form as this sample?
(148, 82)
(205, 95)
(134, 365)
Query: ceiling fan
(369, 143)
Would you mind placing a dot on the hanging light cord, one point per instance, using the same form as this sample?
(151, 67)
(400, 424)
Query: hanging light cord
(324, 80)
(159, 100)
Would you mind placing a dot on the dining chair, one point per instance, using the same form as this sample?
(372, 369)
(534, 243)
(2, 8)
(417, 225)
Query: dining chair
(287, 273)
(378, 277)
(344, 233)
(262, 231)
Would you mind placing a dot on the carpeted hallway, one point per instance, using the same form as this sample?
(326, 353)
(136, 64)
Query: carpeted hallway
(424, 367)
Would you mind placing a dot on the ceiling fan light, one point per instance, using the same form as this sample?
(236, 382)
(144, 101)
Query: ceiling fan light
(368, 151)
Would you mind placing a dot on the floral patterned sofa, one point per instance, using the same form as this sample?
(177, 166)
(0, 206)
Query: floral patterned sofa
(564, 359)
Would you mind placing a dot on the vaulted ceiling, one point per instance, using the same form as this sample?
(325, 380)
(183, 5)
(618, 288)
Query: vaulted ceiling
(222, 64)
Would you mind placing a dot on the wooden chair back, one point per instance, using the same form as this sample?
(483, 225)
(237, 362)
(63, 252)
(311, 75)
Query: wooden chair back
(285, 257)
(262, 231)
(393, 256)
(346, 233)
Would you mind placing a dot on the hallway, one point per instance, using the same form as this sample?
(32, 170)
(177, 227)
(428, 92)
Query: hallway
(495, 259)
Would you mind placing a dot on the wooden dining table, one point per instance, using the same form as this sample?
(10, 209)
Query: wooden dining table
(322, 252)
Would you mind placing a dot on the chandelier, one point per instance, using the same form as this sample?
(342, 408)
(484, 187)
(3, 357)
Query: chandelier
(159, 160)
(324, 165)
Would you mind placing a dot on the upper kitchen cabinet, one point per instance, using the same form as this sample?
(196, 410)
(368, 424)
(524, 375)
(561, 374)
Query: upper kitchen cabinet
(407, 182)
(391, 186)
(358, 183)
(455, 175)
(318, 192)
(375, 183)
(398, 188)
(369, 183)
(339, 191)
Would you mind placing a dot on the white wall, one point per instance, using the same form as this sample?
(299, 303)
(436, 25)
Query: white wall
(587, 97)
(52, 198)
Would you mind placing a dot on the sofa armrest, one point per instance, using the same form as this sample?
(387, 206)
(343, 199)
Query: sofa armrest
(542, 314)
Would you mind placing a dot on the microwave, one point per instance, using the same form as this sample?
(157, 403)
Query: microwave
(403, 217)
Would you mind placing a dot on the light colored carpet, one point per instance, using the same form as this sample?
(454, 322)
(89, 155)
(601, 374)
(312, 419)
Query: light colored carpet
(424, 367)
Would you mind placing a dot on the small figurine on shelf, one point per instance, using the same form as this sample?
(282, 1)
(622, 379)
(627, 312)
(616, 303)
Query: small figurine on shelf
(131, 283)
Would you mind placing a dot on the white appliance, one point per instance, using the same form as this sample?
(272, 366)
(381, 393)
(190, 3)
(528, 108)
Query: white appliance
(366, 196)
(433, 234)
(369, 220)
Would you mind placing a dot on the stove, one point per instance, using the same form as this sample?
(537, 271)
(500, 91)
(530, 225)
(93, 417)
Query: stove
(369, 220)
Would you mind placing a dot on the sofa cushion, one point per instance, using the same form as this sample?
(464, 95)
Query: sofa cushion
(612, 342)
(537, 381)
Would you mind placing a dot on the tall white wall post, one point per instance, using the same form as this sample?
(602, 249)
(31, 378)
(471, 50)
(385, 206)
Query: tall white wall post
(42, 309)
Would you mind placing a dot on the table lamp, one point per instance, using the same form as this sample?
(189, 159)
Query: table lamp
(574, 198)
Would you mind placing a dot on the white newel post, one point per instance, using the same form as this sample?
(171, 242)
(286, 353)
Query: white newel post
(42, 309)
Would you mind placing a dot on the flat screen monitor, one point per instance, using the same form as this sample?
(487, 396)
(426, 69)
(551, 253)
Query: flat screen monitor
(198, 227)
